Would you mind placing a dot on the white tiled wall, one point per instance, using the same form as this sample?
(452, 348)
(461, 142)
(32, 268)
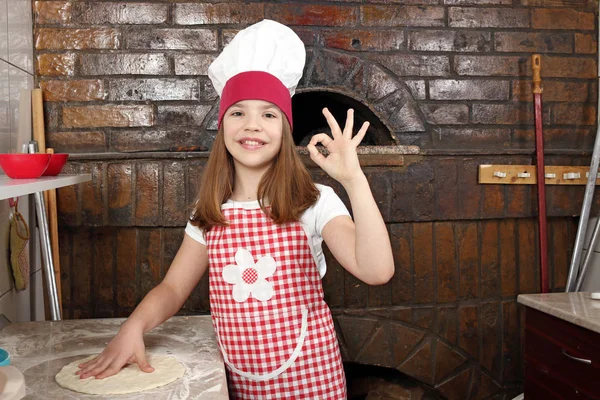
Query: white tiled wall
(3, 30)
(20, 37)
(5, 131)
(16, 74)
(18, 80)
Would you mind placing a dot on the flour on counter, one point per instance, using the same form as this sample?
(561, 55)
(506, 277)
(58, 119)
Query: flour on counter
(129, 380)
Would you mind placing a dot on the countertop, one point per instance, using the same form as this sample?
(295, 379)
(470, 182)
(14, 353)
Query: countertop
(40, 349)
(577, 308)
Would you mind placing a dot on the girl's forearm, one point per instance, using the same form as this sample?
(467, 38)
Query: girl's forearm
(160, 304)
(373, 250)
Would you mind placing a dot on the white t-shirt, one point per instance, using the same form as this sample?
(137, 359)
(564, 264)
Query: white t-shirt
(313, 220)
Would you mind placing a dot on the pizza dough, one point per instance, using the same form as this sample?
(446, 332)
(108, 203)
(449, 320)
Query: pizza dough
(129, 380)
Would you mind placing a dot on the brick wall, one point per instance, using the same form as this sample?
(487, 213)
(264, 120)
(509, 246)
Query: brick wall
(116, 74)
(125, 87)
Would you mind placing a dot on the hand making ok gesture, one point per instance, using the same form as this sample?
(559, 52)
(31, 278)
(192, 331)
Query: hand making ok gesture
(342, 162)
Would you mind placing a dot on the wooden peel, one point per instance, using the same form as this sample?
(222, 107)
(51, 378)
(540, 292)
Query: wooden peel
(39, 135)
(37, 104)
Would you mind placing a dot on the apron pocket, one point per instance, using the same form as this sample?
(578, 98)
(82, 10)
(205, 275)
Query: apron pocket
(262, 347)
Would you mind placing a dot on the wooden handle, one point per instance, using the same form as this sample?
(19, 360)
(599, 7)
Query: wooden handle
(37, 105)
(536, 65)
(53, 229)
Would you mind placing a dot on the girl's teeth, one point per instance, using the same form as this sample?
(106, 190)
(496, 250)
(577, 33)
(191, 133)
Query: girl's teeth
(251, 143)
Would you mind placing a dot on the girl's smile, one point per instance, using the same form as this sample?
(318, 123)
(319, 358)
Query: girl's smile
(251, 144)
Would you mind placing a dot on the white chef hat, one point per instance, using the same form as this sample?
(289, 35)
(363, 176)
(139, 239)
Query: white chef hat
(263, 62)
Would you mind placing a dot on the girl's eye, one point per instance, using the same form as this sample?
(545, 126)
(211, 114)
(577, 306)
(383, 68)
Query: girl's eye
(236, 114)
(270, 115)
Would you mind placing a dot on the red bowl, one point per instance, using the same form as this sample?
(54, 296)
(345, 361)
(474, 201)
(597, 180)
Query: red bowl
(23, 166)
(57, 162)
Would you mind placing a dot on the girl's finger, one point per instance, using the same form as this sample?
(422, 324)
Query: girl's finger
(96, 370)
(315, 155)
(112, 369)
(90, 362)
(349, 124)
(322, 138)
(88, 365)
(142, 362)
(361, 133)
(335, 128)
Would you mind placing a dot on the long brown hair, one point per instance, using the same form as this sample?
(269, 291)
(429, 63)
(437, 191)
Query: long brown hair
(286, 185)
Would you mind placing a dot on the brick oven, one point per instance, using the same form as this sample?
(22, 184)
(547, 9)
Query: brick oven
(446, 85)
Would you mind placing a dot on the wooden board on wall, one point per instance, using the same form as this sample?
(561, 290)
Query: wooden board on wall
(527, 175)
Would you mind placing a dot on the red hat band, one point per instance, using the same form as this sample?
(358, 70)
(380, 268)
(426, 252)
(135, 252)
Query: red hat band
(256, 85)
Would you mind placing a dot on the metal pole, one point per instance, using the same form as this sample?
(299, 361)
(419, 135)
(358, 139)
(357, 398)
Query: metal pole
(588, 256)
(587, 202)
(585, 216)
(48, 264)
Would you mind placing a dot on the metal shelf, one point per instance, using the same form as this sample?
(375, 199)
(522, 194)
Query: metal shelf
(21, 187)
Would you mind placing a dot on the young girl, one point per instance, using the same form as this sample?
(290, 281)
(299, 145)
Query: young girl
(259, 223)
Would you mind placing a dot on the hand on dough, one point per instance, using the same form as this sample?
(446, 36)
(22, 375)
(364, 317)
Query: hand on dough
(126, 347)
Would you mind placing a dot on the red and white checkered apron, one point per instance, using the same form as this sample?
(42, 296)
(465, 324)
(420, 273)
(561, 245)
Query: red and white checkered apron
(283, 347)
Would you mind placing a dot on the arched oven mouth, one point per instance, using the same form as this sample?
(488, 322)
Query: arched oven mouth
(307, 106)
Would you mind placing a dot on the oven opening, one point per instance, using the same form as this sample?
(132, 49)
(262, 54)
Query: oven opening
(309, 120)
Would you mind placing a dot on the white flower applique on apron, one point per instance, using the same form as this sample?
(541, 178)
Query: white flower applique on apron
(249, 278)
